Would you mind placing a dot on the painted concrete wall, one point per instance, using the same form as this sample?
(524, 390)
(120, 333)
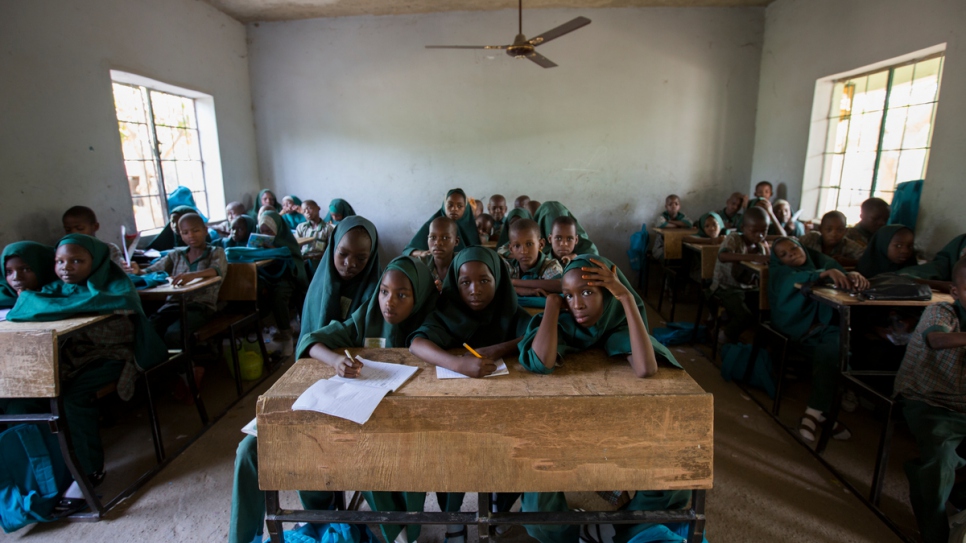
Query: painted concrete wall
(59, 142)
(806, 40)
(645, 102)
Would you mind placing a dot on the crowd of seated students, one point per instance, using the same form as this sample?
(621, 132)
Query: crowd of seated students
(931, 378)
(447, 289)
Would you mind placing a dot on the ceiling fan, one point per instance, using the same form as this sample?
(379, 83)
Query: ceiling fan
(521, 46)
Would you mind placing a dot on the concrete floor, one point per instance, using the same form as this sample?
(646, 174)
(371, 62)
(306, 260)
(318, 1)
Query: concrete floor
(767, 486)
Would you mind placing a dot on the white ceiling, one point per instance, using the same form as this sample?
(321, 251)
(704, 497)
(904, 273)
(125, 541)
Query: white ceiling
(248, 11)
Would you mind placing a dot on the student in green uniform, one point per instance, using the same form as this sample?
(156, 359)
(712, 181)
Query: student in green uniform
(456, 207)
(27, 265)
(515, 214)
(292, 211)
(443, 239)
(830, 240)
(808, 322)
(545, 216)
(603, 311)
(890, 250)
(497, 208)
(111, 351)
(932, 384)
(874, 215)
(710, 230)
(281, 281)
(732, 283)
(405, 297)
(339, 209)
(242, 226)
(266, 198)
(938, 273)
(731, 212)
(533, 273)
(789, 226)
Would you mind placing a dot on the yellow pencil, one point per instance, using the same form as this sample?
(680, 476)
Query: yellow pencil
(470, 349)
(352, 363)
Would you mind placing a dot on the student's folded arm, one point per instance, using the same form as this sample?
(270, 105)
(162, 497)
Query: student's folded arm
(940, 339)
(643, 360)
(545, 342)
(499, 350)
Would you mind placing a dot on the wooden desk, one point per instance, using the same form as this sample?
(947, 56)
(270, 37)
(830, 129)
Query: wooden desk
(163, 291)
(673, 239)
(709, 257)
(305, 241)
(534, 310)
(494, 435)
(762, 271)
(489, 244)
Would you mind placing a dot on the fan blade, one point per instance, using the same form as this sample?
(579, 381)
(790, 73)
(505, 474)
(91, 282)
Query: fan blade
(541, 60)
(560, 30)
(467, 46)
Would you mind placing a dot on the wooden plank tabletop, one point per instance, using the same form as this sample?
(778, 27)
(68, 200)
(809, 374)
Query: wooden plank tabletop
(163, 291)
(842, 298)
(673, 238)
(591, 425)
(304, 241)
(490, 244)
(709, 256)
(762, 271)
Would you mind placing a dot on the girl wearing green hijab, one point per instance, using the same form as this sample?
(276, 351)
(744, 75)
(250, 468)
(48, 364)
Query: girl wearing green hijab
(455, 206)
(110, 351)
(26, 266)
(938, 274)
(890, 250)
(545, 215)
(503, 244)
(808, 322)
(265, 198)
(170, 238)
(604, 312)
(281, 279)
(710, 230)
(292, 211)
(405, 297)
(339, 209)
(348, 274)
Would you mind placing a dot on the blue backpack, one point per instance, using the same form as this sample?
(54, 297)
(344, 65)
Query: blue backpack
(32, 476)
(637, 253)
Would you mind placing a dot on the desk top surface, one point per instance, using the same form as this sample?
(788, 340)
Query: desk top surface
(60, 327)
(168, 289)
(699, 247)
(682, 231)
(755, 266)
(305, 240)
(590, 373)
(842, 298)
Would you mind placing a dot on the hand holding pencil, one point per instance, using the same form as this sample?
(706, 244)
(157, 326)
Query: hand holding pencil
(349, 367)
(477, 365)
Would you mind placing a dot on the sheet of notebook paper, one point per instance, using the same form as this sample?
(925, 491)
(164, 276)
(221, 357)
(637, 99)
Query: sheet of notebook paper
(443, 373)
(348, 401)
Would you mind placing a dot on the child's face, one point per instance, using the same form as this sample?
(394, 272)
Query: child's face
(563, 239)
(673, 207)
(586, 303)
(193, 233)
(396, 299)
(901, 247)
(442, 241)
(455, 206)
(173, 222)
(352, 253)
(763, 191)
(525, 248)
(832, 230)
(265, 230)
(336, 217)
(76, 225)
(874, 220)
(232, 212)
(497, 208)
(477, 208)
(19, 275)
(476, 285)
(73, 263)
(711, 228)
(521, 202)
(288, 204)
(790, 253)
(753, 230)
(268, 199)
(311, 212)
(485, 227)
(239, 231)
(733, 204)
(783, 213)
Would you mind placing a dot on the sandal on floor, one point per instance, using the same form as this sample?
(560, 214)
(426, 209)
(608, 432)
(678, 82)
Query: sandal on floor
(809, 427)
(461, 533)
(585, 536)
(67, 507)
(841, 431)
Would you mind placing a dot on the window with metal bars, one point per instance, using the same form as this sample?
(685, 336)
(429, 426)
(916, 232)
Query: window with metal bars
(162, 150)
(880, 126)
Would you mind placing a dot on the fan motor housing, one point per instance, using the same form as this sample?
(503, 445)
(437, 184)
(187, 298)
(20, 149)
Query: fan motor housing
(521, 50)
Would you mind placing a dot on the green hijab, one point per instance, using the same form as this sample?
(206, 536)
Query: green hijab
(285, 239)
(505, 231)
(941, 267)
(253, 212)
(545, 215)
(107, 290)
(252, 226)
(340, 207)
(323, 303)
(168, 239)
(293, 219)
(700, 224)
(875, 260)
(791, 312)
(368, 321)
(454, 323)
(466, 225)
(610, 331)
(39, 257)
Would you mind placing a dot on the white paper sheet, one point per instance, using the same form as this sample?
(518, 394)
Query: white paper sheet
(380, 375)
(349, 401)
(129, 248)
(444, 373)
(3, 314)
(250, 428)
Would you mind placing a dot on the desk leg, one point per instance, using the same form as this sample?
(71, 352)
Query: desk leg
(190, 364)
(845, 343)
(484, 510)
(696, 528)
(60, 427)
(272, 508)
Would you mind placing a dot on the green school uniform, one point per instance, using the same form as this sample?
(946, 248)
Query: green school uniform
(167, 238)
(227, 242)
(751, 203)
(469, 236)
(282, 283)
(331, 299)
(505, 232)
(806, 321)
(293, 219)
(703, 218)
(545, 215)
(253, 212)
(665, 218)
(40, 259)
(875, 260)
(941, 267)
(341, 207)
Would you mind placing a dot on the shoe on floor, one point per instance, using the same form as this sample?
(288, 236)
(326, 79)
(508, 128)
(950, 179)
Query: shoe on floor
(849, 401)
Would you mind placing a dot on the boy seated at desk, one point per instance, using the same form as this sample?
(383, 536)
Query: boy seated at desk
(787, 225)
(443, 239)
(497, 209)
(199, 260)
(313, 227)
(485, 226)
(830, 240)
(82, 220)
(563, 239)
(932, 384)
(671, 217)
(232, 211)
(242, 226)
(873, 216)
(764, 189)
(532, 272)
(732, 282)
(731, 212)
(710, 230)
